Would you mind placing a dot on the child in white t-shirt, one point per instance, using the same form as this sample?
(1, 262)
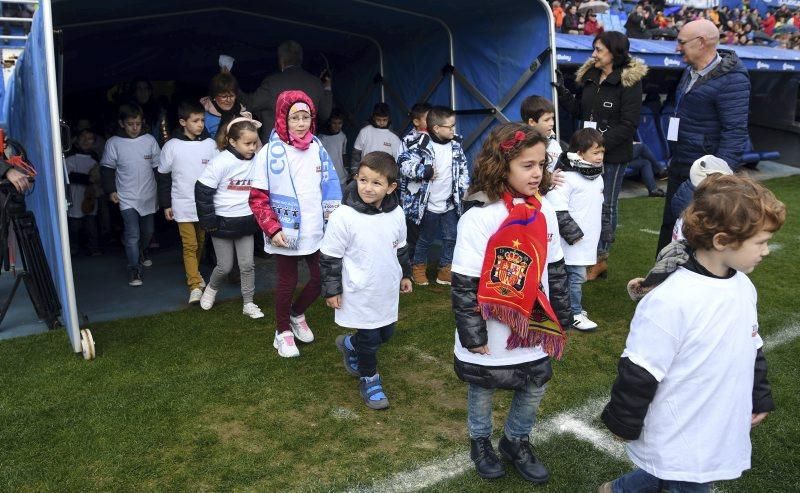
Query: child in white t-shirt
(539, 113)
(335, 142)
(364, 263)
(183, 160)
(127, 169)
(579, 204)
(84, 175)
(375, 137)
(295, 188)
(691, 381)
(222, 193)
(508, 263)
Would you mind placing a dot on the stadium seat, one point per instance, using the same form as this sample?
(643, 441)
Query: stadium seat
(650, 134)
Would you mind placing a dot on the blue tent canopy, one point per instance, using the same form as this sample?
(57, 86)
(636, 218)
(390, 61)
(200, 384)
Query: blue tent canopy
(575, 49)
(481, 58)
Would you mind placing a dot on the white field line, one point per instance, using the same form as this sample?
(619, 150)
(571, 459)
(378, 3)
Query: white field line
(775, 247)
(575, 422)
(650, 231)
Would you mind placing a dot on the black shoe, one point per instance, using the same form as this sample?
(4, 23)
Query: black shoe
(487, 464)
(520, 453)
(656, 193)
(134, 278)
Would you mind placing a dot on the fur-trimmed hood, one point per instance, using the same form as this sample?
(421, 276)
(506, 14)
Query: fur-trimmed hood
(630, 74)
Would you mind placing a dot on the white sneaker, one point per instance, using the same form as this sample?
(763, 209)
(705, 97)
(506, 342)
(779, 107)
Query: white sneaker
(202, 283)
(581, 322)
(252, 310)
(300, 328)
(195, 295)
(208, 297)
(284, 343)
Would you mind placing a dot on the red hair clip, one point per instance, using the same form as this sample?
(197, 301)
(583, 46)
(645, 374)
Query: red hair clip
(510, 144)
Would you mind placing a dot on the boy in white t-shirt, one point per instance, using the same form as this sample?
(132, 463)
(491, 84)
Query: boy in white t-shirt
(183, 159)
(84, 177)
(375, 137)
(364, 263)
(539, 113)
(578, 203)
(692, 380)
(127, 169)
(335, 142)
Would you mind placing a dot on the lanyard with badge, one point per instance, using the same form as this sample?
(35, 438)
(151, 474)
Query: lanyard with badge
(591, 123)
(674, 121)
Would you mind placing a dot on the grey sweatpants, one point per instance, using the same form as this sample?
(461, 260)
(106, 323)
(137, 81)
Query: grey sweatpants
(224, 249)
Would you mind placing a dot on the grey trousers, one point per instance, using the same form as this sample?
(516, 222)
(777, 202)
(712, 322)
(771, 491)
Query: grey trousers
(243, 247)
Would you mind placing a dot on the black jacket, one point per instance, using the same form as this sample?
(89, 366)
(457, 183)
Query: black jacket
(614, 105)
(472, 330)
(331, 267)
(635, 388)
(221, 226)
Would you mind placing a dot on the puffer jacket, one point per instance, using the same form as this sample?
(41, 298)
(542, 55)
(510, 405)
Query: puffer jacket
(416, 173)
(472, 333)
(331, 267)
(614, 104)
(713, 114)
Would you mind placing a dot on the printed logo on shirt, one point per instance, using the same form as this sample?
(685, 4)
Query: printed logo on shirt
(755, 330)
(240, 185)
(205, 161)
(319, 168)
(147, 157)
(395, 243)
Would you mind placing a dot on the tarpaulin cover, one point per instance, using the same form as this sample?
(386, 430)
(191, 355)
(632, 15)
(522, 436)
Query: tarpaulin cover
(29, 117)
(104, 43)
(574, 49)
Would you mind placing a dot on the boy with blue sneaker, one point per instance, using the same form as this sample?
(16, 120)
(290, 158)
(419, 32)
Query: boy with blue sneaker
(364, 260)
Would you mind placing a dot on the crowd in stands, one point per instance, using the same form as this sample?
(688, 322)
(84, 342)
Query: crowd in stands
(652, 20)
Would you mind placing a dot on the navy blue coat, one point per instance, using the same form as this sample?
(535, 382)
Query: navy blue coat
(714, 114)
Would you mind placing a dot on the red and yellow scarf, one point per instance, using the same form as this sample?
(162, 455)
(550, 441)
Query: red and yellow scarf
(510, 289)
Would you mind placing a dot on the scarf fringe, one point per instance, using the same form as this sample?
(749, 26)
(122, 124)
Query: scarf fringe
(505, 314)
(551, 344)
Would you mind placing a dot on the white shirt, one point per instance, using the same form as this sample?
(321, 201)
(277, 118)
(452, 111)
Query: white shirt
(134, 160)
(79, 163)
(336, 145)
(186, 160)
(698, 336)
(305, 169)
(474, 229)
(441, 188)
(554, 151)
(583, 198)
(371, 139)
(231, 177)
(367, 245)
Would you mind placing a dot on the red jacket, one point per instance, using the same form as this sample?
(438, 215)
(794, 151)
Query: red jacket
(592, 27)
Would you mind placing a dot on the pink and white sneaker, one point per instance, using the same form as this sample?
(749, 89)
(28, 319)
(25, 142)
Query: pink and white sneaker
(300, 328)
(284, 343)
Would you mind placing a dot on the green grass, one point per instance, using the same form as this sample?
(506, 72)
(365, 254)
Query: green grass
(196, 400)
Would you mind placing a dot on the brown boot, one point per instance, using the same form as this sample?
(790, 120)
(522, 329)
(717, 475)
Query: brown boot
(443, 277)
(418, 274)
(600, 269)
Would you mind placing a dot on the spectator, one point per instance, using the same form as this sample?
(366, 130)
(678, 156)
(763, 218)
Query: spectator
(221, 105)
(768, 24)
(558, 14)
(712, 102)
(635, 25)
(611, 100)
(291, 77)
(571, 23)
(592, 26)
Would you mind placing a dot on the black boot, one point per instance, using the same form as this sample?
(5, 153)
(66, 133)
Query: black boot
(520, 453)
(486, 461)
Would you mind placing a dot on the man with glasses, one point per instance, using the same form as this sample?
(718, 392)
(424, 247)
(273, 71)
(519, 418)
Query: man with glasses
(711, 109)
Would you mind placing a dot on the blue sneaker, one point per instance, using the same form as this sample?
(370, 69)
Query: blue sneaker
(349, 356)
(372, 392)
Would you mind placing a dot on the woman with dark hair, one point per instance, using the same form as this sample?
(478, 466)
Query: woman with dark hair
(571, 23)
(221, 104)
(610, 102)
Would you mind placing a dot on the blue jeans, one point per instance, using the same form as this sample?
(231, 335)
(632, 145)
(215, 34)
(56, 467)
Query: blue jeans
(576, 276)
(138, 232)
(639, 481)
(430, 226)
(366, 342)
(613, 174)
(521, 415)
